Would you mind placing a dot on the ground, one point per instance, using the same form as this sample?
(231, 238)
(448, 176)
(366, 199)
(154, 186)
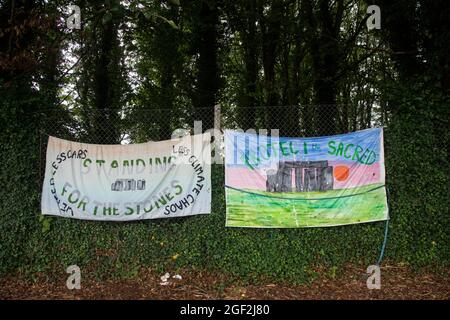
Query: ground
(397, 282)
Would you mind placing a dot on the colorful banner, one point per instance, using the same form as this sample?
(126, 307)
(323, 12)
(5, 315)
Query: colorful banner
(280, 182)
(128, 182)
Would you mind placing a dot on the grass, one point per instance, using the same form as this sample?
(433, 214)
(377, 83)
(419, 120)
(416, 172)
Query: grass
(262, 210)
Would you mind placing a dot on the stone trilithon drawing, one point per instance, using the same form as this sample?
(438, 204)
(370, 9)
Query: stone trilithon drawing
(127, 185)
(308, 176)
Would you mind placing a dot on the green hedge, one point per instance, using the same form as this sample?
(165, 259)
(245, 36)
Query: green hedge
(417, 171)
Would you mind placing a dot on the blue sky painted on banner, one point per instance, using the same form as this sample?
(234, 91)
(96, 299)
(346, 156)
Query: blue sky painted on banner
(260, 151)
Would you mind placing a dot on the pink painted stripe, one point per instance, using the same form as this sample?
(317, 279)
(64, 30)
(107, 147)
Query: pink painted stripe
(244, 178)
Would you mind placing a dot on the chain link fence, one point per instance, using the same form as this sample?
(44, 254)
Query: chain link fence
(135, 125)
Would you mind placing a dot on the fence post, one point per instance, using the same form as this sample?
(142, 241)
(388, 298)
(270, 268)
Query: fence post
(217, 117)
(217, 134)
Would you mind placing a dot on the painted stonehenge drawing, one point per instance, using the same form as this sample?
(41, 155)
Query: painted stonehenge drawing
(308, 176)
(128, 185)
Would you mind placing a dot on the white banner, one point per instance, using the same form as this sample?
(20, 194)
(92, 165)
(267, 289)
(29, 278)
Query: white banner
(128, 182)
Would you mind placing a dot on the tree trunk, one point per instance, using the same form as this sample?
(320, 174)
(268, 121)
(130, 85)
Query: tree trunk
(270, 26)
(106, 72)
(208, 77)
(246, 110)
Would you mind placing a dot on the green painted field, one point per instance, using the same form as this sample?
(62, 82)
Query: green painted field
(251, 210)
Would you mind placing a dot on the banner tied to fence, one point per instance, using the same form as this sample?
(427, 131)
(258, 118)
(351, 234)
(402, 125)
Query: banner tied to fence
(280, 182)
(128, 182)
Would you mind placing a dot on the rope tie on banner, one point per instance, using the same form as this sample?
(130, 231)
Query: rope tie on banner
(383, 247)
(386, 228)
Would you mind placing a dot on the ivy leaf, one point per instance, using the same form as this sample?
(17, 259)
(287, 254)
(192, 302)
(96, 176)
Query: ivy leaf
(45, 224)
(170, 22)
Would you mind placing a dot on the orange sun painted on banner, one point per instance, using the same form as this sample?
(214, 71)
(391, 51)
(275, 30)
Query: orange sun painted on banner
(341, 173)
